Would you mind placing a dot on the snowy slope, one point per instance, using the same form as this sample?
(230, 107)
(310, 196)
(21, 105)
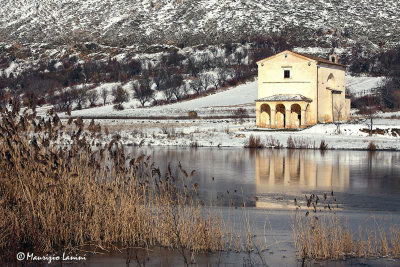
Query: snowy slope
(161, 21)
(216, 104)
(363, 85)
(221, 103)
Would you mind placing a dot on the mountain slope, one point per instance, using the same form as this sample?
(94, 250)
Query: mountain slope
(194, 21)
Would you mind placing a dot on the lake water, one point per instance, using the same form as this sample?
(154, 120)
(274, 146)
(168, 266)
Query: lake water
(273, 178)
(366, 186)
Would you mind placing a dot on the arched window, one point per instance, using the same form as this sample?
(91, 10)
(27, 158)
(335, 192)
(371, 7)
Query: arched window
(330, 83)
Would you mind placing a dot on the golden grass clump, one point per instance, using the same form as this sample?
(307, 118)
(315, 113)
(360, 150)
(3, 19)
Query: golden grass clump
(55, 197)
(322, 235)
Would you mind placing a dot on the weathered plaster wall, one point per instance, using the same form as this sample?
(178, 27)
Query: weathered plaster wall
(303, 78)
(326, 85)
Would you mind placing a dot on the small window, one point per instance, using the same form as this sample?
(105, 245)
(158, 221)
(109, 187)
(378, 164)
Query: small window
(286, 74)
(333, 59)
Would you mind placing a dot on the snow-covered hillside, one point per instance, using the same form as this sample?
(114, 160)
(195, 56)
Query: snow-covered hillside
(194, 21)
(221, 103)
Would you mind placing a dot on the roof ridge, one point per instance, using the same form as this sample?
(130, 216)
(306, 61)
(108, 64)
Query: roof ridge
(319, 59)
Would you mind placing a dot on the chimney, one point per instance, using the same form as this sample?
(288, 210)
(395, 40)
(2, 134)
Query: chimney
(333, 58)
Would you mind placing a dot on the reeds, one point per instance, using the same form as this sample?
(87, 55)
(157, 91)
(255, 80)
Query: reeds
(54, 198)
(319, 234)
(254, 142)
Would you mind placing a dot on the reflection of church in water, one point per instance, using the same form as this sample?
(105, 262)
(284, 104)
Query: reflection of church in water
(294, 168)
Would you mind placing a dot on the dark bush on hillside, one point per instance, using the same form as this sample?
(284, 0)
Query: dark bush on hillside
(120, 95)
(240, 113)
(232, 82)
(363, 103)
(118, 107)
(390, 92)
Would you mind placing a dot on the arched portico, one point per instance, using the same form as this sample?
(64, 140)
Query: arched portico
(265, 116)
(283, 111)
(280, 116)
(295, 112)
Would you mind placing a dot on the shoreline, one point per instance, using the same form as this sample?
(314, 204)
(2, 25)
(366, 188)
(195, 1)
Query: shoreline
(236, 133)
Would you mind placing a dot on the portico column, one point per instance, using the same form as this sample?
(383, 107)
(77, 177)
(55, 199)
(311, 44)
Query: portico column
(288, 119)
(258, 115)
(273, 117)
(303, 118)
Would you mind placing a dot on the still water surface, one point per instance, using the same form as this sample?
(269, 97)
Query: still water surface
(273, 178)
(366, 186)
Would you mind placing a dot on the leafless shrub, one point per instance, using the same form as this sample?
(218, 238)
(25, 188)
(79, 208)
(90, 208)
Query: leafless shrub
(254, 142)
(92, 96)
(104, 95)
(371, 146)
(271, 142)
(118, 107)
(323, 145)
(240, 113)
(168, 130)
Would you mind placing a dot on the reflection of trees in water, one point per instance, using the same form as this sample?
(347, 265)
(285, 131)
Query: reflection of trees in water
(377, 172)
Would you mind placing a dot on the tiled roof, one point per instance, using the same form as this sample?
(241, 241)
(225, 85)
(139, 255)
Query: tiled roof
(286, 97)
(320, 59)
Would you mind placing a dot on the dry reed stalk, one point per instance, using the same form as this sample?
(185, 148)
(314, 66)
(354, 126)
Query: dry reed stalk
(54, 197)
(325, 236)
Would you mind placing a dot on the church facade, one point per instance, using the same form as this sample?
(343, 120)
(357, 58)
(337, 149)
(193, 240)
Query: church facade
(298, 90)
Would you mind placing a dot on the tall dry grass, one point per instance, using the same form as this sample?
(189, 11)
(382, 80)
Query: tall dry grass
(254, 142)
(320, 234)
(56, 198)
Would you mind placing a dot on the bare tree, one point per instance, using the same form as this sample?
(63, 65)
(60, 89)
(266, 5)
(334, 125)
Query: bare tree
(161, 77)
(168, 93)
(196, 86)
(66, 100)
(205, 81)
(192, 66)
(179, 91)
(238, 57)
(222, 77)
(143, 91)
(338, 110)
(93, 96)
(120, 95)
(172, 86)
(80, 96)
(104, 95)
(371, 108)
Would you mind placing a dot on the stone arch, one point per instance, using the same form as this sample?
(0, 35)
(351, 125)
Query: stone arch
(295, 111)
(330, 82)
(265, 116)
(280, 116)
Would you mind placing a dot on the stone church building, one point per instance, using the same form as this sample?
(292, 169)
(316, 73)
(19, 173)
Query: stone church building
(298, 90)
